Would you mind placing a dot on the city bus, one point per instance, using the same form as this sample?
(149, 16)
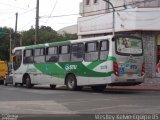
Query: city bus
(94, 62)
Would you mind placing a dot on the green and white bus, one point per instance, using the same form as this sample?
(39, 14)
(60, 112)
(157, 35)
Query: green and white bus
(94, 62)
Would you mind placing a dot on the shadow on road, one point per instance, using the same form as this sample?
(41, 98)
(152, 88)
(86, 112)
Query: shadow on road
(85, 89)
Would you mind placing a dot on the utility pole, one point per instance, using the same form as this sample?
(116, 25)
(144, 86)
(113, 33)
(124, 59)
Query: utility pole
(113, 24)
(21, 41)
(15, 30)
(37, 23)
(16, 23)
(10, 46)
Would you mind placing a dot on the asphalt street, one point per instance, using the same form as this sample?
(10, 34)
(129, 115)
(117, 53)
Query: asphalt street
(43, 101)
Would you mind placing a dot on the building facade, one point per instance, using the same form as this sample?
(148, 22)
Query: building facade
(134, 17)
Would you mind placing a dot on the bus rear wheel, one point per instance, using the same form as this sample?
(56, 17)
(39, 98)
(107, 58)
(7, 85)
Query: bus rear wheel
(98, 88)
(28, 82)
(71, 83)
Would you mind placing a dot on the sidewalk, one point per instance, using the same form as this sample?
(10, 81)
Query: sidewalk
(137, 87)
(149, 84)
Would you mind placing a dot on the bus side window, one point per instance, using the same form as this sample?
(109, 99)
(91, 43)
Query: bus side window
(104, 49)
(91, 50)
(64, 53)
(28, 56)
(17, 59)
(39, 55)
(52, 54)
(77, 52)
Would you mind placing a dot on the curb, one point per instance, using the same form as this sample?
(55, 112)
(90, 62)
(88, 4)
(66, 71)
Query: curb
(142, 87)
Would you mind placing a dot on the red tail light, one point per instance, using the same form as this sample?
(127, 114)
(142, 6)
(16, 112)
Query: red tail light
(143, 69)
(115, 68)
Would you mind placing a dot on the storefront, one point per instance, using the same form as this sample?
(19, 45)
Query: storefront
(158, 57)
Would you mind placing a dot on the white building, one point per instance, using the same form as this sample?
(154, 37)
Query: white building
(138, 17)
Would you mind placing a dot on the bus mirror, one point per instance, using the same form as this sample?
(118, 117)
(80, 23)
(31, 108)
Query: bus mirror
(113, 39)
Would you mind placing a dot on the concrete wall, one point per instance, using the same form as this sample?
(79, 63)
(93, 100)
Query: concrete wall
(94, 8)
(143, 3)
(102, 7)
(150, 48)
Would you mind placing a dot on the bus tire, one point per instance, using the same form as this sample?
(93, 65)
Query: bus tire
(71, 82)
(21, 84)
(5, 84)
(98, 88)
(15, 84)
(53, 86)
(28, 82)
(1, 82)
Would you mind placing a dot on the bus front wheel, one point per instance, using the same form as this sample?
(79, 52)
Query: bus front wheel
(71, 83)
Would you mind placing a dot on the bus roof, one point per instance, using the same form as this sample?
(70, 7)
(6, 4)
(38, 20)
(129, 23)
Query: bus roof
(63, 42)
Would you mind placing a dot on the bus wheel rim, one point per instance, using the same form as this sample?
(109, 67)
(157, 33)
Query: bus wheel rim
(71, 82)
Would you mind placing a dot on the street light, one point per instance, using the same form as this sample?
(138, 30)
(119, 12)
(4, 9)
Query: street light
(113, 25)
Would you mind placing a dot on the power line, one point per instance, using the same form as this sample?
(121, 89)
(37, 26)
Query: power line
(125, 5)
(12, 17)
(28, 23)
(51, 12)
(30, 10)
(12, 6)
(67, 15)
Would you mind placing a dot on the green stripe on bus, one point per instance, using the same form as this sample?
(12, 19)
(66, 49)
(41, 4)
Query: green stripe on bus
(96, 63)
(35, 46)
(60, 72)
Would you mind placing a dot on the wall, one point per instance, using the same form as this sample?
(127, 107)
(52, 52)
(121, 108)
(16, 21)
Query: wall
(136, 19)
(150, 53)
(94, 8)
(137, 3)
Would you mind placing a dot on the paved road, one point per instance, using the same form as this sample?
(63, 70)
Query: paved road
(43, 100)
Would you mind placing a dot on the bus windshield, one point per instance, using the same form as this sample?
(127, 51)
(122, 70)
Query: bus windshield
(129, 46)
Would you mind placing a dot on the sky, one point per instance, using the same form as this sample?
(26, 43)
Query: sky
(50, 11)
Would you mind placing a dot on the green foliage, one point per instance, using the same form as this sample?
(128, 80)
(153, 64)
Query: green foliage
(5, 42)
(46, 35)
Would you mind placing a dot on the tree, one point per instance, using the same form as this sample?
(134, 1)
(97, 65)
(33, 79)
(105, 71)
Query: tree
(46, 35)
(5, 42)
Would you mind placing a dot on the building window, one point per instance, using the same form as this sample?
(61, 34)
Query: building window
(87, 2)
